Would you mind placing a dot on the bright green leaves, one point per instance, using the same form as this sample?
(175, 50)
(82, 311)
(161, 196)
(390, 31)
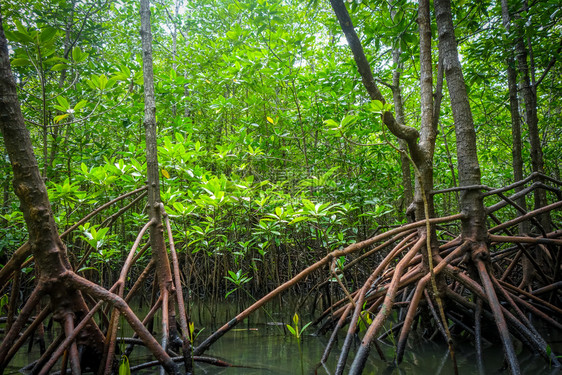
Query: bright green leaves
(21, 34)
(334, 128)
(47, 34)
(66, 191)
(254, 151)
(365, 320)
(325, 180)
(236, 33)
(78, 56)
(238, 279)
(59, 118)
(319, 210)
(360, 127)
(124, 367)
(101, 82)
(124, 73)
(64, 106)
(94, 237)
(376, 106)
(81, 104)
(107, 174)
(216, 192)
(38, 47)
(103, 243)
(294, 329)
(183, 210)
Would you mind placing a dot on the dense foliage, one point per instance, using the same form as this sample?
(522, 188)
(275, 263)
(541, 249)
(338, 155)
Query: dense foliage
(271, 153)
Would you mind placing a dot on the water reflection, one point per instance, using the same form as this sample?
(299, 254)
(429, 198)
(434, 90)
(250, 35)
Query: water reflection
(261, 345)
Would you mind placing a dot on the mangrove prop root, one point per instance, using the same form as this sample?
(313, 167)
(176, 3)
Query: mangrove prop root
(361, 356)
(18, 324)
(337, 253)
(24, 251)
(184, 321)
(28, 332)
(99, 292)
(70, 337)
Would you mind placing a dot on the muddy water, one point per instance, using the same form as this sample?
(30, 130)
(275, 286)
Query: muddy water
(262, 345)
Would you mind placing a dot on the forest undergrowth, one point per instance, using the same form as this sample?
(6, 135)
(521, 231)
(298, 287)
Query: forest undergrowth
(235, 197)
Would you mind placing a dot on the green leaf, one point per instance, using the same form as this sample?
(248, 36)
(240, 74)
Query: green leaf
(47, 34)
(124, 368)
(23, 37)
(20, 62)
(305, 326)
(63, 102)
(78, 55)
(59, 118)
(376, 106)
(292, 330)
(58, 67)
(11, 36)
(20, 27)
(348, 120)
(331, 123)
(298, 219)
(102, 82)
(81, 104)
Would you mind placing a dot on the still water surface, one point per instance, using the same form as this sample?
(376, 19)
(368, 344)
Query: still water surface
(262, 346)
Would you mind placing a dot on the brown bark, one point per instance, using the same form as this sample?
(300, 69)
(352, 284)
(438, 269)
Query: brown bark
(400, 118)
(45, 243)
(153, 173)
(529, 96)
(409, 134)
(474, 225)
(157, 241)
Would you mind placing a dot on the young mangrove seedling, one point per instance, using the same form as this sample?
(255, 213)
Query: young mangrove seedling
(294, 329)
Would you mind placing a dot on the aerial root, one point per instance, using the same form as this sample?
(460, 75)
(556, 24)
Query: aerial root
(28, 332)
(510, 318)
(149, 341)
(18, 324)
(70, 335)
(494, 303)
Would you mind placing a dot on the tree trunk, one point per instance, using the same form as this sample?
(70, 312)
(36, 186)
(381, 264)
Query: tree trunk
(474, 229)
(517, 146)
(48, 250)
(399, 108)
(474, 225)
(421, 153)
(529, 95)
(155, 205)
